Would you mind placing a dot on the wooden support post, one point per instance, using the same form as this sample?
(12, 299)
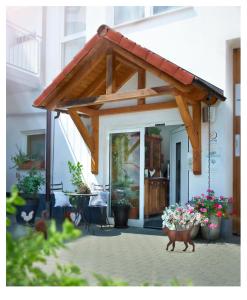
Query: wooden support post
(196, 113)
(141, 84)
(192, 130)
(110, 76)
(95, 152)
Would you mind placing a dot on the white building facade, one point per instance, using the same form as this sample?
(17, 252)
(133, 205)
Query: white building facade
(199, 39)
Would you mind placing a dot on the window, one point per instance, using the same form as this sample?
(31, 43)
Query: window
(160, 9)
(74, 32)
(36, 146)
(128, 13)
(71, 48)
(74, 19)
(123, 14)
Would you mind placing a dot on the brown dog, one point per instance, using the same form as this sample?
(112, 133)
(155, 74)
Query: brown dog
(181, 236)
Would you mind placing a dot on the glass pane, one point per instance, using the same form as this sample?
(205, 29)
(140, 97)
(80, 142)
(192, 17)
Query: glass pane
(127, 13)
(71, 48)
(74, 19)
(36, 146)
(160, 9)
(125, 169)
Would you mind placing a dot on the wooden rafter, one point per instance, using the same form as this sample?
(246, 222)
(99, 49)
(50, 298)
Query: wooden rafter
(141, 84)
(193, 127)
(147, 92)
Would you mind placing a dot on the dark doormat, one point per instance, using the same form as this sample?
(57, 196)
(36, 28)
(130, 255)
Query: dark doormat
(153, 222)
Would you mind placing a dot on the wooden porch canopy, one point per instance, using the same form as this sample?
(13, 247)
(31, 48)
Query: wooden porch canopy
(103, 66)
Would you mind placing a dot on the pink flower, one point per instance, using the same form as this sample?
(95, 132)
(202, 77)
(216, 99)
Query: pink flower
(221, 197)
(206, 220)
(203, 209)
(219, 206)
(212, 226)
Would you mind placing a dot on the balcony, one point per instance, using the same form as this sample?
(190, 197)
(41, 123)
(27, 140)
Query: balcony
(23, 57)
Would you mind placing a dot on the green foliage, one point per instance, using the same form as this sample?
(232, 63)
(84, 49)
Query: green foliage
(31, 182)
(176, 282)
(107, 281)
(19, 158)
(25, 253)
(77, 177)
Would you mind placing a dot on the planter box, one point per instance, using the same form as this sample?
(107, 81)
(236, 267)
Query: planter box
(28, 165)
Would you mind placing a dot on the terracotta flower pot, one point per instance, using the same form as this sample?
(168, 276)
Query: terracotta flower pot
(133, 214)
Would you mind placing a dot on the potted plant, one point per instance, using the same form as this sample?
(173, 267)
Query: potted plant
(29, 185)
(22, 161)
(80, 201)
(77, 178)
(213, 209)
(181, 218)
(121, 210)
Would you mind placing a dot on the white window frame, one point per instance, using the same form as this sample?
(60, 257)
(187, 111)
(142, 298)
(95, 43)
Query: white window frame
(27, 133)
(70, 37)
(148, 13)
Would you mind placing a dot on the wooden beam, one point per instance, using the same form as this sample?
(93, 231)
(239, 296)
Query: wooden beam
(95, 152)
(148, 67)
(197, 152)
(188, 121)
(194, 96)
(193, 127)
(110, 74)
(82, 129)
(87, 111)
(137, 108)
(147, 92)
(141, 84)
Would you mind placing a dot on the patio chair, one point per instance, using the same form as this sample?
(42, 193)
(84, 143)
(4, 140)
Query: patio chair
(59, 203)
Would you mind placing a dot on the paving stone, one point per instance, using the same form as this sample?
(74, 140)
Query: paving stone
(138, 256)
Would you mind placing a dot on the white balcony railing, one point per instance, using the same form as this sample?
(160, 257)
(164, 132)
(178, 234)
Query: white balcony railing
(23, 49)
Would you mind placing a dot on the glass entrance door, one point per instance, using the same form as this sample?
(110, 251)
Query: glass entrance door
(125, 169)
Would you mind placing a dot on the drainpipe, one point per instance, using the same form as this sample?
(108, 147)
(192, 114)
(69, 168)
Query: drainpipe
(48, 157)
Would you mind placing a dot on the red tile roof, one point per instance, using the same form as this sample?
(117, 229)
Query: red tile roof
(105, 32)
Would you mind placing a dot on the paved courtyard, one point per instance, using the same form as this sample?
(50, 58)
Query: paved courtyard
(138, 256)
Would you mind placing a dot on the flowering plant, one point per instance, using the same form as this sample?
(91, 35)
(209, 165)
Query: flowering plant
(181, 217)
(210, 205)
